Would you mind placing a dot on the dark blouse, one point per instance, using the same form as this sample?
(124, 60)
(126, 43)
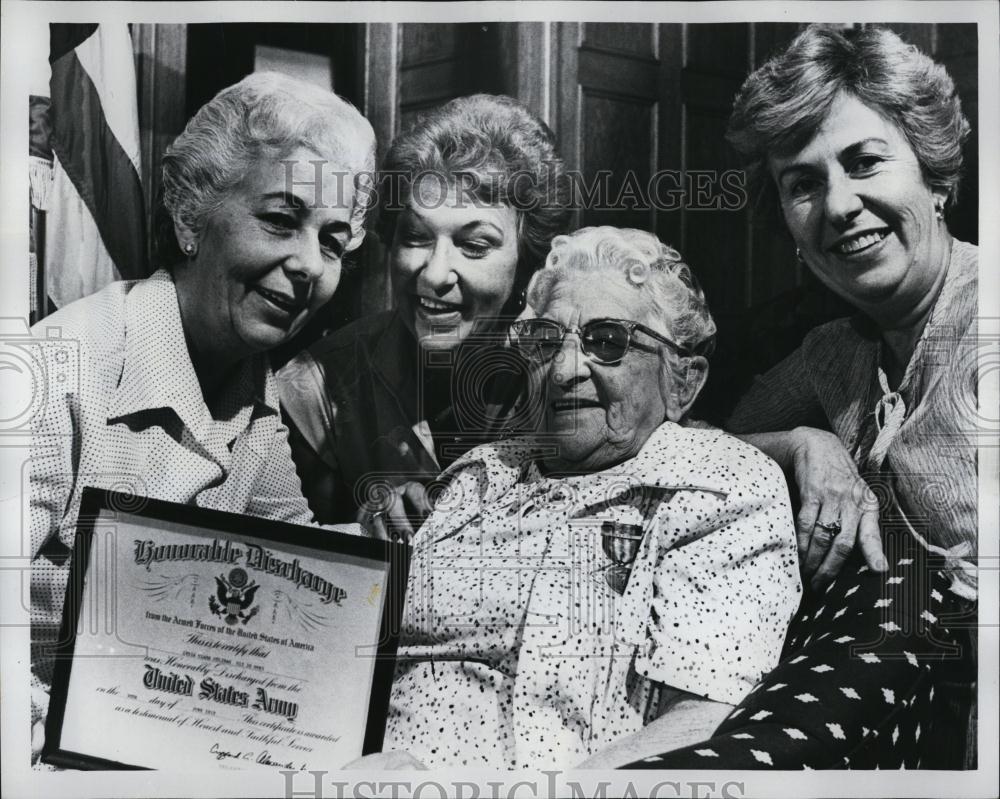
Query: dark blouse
(355, 406)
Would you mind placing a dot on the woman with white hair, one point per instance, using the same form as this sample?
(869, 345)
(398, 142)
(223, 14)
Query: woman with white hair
(170, 393)
(621, 568)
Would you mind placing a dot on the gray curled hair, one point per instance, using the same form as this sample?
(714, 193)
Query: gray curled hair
(674, 301)
(265, 115)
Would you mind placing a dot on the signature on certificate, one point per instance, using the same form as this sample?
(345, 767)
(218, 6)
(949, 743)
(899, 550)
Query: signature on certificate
(223, 754)
(264, 758)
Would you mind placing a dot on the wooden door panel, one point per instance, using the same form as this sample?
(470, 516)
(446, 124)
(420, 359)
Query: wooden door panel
(619, 74)
(619, 137)
(427, 43)
(608, 119)
(715, 238)
(632, 38)
(719, 48)
(432, 68)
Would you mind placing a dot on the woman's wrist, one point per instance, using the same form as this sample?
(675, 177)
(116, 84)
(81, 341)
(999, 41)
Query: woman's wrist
(780, 446)
(801, 437)
(798, 438)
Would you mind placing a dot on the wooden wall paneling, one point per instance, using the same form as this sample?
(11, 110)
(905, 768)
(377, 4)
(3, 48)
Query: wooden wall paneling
(428, 43)
(440, 62)
(618, 148)
(625, 76)
(775, 271)
(437, 62)
(717, 240)
(430, 68)
(716, 237)
(719, 48)
(957, 48)
(613, 74)
(425, 85)
(633, 38)
(160, 60)
(381, 80)
(526, 65)
(371, 292)
(670, 133)
(567, 107)
(769, 38)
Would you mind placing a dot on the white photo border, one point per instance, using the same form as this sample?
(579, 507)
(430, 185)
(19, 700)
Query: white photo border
(22, 21)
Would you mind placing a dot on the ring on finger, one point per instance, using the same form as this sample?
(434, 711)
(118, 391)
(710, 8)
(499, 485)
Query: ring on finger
(832, 527)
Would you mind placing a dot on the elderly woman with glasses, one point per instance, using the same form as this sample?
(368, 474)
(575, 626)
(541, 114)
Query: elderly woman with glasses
(619, 569)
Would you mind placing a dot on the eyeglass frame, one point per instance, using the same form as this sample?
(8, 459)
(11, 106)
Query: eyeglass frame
(630, 328)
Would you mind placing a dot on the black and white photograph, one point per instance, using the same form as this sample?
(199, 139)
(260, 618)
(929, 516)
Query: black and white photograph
(500, 399)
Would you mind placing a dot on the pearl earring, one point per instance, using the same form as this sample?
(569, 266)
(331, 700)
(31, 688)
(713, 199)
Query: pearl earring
(189, 249)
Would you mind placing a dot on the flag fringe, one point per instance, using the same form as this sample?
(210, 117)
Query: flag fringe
(40, 182)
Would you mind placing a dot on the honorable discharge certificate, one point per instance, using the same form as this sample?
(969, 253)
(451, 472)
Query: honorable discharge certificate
(221, 651)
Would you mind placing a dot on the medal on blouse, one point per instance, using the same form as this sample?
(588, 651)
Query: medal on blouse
(620, 543)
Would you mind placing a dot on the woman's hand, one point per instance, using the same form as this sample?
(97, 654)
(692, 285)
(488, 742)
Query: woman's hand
(37, 739)
(393, 760)
(833, 495)
(407, 510)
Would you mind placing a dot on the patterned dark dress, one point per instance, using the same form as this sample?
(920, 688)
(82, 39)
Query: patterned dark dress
(856, 684)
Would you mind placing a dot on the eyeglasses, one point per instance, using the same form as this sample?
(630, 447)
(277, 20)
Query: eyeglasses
(604, 340)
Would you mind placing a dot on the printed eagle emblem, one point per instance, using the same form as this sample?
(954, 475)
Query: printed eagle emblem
(235, 597)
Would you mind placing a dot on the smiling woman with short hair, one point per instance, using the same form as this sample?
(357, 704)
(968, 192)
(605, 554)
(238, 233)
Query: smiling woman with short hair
(169, 392)
(471, 195)
(854, 141)
(861, 175)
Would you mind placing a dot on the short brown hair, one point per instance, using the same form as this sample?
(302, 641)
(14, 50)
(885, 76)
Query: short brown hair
(508, 153)
(782, 104)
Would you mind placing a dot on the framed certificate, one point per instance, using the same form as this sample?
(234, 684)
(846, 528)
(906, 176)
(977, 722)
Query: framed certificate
(197, 639)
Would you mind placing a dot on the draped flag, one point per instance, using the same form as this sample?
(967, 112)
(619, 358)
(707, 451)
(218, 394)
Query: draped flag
(96, 224)
(39, 165)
